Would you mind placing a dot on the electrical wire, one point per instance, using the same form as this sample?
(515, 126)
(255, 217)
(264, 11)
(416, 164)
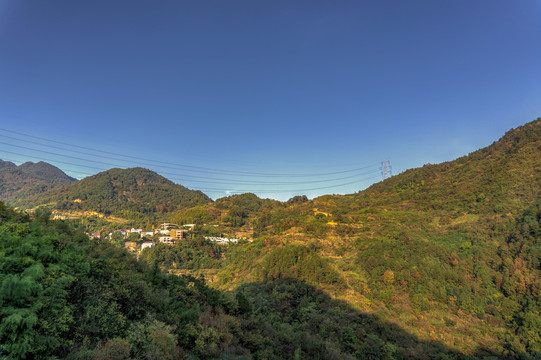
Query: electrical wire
(186, 178)
(244, 173)
(294, 190)
(214, 180)
(236, 190)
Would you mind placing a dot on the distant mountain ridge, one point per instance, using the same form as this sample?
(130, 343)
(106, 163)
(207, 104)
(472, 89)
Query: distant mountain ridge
(45, 171)
(19, 182)
(130, 193)
(4, 164)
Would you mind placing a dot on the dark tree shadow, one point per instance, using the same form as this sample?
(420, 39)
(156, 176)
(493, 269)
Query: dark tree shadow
(298, 321)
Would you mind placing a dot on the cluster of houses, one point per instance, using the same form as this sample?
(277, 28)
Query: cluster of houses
(222, 240)
(165, 233)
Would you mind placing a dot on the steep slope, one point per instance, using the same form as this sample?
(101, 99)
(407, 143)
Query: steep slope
(125, 192)
(64, 296)
(234, 210)
(19, 182)
(503, 177)
(449, 252)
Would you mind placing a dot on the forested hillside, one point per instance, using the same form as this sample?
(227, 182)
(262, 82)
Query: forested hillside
(503, 177)
(64, 296)
(134, 193)
(20, 182)
(449, 252)
(442, 261)
(232, 211)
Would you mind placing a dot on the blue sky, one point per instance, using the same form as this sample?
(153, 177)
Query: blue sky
(224, 94)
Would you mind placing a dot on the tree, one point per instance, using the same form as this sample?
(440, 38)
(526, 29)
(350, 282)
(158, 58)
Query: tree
(135, 237)
(117, 238)
(388, 277)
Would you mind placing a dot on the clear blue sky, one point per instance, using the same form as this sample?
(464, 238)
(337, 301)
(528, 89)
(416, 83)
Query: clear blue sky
(273, 87)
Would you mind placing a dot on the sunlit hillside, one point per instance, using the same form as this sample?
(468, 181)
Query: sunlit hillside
(442, 261)
(449, 252)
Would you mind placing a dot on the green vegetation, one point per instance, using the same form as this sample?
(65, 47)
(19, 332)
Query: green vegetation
(450, 252)
(136, 194)
(521, 282)
(439, 262)
(187, 254)
(20, 182)
(65, 296)
(298, 262)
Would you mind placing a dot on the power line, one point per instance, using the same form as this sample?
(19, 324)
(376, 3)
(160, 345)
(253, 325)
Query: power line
(183, 178)
(295, 190)
(199, 168)
(213, 180)
(285, 182)
(239, 191)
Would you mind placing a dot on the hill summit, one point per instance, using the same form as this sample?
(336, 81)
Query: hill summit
(500, 178)
(450, 252)
(125, 192)
(19, 182)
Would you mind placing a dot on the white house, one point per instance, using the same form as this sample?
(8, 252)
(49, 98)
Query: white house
(221, 240)
(146, 244)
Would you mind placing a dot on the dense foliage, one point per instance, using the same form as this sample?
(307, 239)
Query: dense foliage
(192, 254)
(65, 296)
(135, 193)
(19, 182)
(298, 262)
(450, 252)
(438, 262)
(232, 212)
(521, 281)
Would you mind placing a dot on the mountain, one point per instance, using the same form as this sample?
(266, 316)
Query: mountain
(19, 182)
(4, 164)
(503, 177)
(64, 296)
(233, 210)
(443, 261)
(449, 252)
(129, 193)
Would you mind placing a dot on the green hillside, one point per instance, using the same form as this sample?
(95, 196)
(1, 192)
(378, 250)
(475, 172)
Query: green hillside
(233, 211)
(440, 262)
(20, 182)
(134, 193)
(63, 296)
(500, 178)
(449, 252)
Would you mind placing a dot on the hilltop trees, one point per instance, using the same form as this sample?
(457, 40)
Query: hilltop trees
(136, 194)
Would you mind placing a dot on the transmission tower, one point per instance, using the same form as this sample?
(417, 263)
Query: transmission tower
(386, 169)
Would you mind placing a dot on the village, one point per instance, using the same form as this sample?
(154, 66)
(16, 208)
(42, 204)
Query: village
(137, 239)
